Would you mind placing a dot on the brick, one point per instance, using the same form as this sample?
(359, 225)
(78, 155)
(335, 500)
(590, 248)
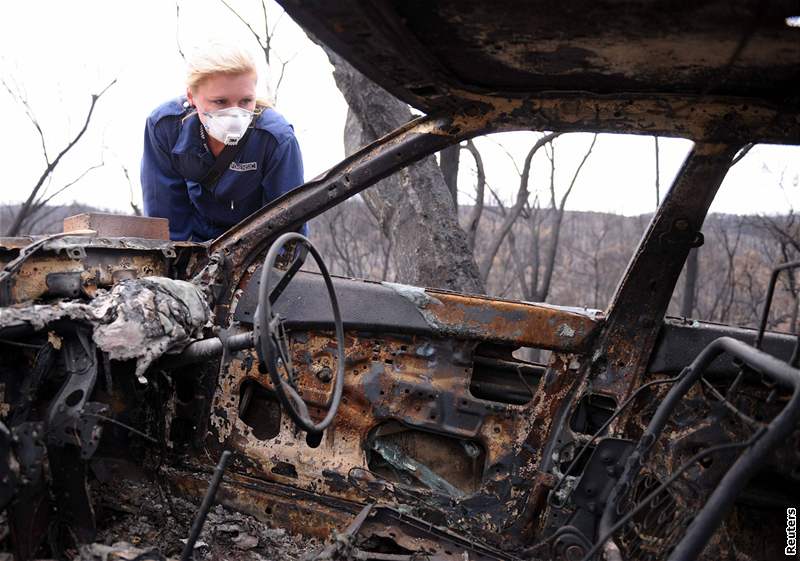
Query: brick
(119, 225)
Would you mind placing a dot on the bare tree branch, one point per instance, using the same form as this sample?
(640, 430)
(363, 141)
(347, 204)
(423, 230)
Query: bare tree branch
(551, 155)
(280, 76)
(577, 172)
(511, 217)
(264, 44)
(535, 223)
(268, 40)
(43, 201)
(477, 210)
(18, 97)
(35, 211)
(556, 230)
(278, 20)
(341, 250)
(507, 153)
(178, 28)
(134, 207)
(519, 265)
(25, 209)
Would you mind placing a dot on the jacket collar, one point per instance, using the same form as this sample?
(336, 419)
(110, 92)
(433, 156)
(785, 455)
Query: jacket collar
(189, 141)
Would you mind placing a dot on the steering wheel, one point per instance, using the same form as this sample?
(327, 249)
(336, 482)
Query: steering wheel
(272, 343)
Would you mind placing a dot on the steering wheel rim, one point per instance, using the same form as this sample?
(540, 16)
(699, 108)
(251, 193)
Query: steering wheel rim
(270, 336)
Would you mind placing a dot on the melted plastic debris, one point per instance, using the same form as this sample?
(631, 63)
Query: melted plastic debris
(421, 300)
(413, 294)
(139, 319)
(566, 331)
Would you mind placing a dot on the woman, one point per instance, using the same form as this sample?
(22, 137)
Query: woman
(188, 142)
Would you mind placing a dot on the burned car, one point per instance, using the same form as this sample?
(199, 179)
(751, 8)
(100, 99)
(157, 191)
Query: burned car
(396, 420)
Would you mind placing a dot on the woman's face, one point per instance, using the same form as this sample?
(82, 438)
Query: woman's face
(221, 91)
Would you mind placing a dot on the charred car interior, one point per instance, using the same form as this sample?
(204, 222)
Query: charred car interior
(394, 421)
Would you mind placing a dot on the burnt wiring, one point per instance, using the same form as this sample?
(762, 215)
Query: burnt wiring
(603, 429)
(663, 485)
(794, 361)
(752, 423)
(724, 399)
(548, 540)
(395, 488)
(125, 426)
(689, 534)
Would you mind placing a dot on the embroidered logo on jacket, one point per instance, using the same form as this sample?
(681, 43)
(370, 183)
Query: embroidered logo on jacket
(244, 166)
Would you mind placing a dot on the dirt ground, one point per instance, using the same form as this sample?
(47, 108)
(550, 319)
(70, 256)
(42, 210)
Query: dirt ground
(139, 517)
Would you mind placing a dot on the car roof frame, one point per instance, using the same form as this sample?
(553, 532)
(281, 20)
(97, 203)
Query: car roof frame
(704, 120)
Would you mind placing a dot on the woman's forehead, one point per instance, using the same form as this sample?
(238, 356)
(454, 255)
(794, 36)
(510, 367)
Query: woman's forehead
(228, 85)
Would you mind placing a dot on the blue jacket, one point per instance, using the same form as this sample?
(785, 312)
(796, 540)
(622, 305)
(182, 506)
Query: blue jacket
(175, 158)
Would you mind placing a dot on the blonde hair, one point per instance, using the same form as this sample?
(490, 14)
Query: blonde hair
(218, 57)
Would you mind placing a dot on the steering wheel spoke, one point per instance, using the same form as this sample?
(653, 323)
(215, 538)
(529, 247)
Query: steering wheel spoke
(301, 252)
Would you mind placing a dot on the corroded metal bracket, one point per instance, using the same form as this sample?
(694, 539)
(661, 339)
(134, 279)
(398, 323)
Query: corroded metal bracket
(73, 434)
(71, 419)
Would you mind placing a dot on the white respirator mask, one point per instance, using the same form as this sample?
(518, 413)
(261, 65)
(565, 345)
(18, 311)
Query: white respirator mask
(228, 125)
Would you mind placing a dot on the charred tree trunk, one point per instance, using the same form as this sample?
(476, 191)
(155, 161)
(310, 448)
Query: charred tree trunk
(448, 161)
(414, 207)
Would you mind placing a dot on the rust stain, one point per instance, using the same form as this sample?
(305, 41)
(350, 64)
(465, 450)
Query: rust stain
(525, 324)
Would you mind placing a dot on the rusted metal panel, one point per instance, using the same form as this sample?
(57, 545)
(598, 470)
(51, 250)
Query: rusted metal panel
(119, 225)
(421, 383)
(296, 511)
(98, 270)
(76, 267)
(429, 53)
(699, 118)
(519, 323)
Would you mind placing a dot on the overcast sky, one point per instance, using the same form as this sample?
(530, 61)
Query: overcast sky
(57, 54)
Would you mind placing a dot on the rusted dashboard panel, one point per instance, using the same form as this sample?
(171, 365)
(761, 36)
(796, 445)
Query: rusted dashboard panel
(71, 267)
(397, 308)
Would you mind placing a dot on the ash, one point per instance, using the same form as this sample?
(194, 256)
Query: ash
(141, 520)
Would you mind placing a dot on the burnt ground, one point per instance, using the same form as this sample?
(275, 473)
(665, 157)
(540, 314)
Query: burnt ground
(141, 516)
